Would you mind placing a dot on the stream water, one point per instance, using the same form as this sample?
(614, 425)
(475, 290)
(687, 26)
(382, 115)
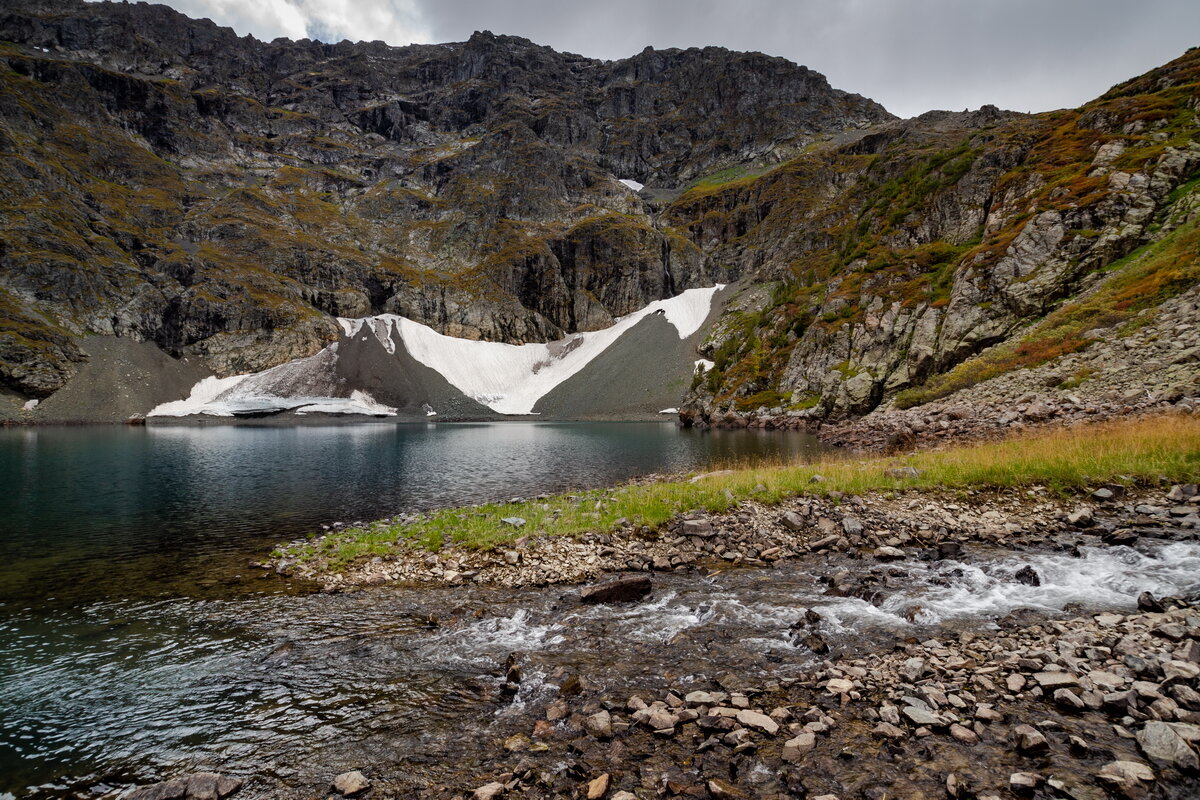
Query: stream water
(105, 690)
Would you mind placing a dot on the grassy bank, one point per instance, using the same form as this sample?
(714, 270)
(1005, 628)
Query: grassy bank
(1061, 459)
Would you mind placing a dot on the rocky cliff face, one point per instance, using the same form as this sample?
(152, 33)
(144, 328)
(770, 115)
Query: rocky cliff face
(939, 252)
(225, 198)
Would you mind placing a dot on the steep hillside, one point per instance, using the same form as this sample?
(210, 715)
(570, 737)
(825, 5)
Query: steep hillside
(880, 269)
(166, 180)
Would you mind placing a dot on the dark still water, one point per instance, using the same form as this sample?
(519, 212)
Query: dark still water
(91, 513)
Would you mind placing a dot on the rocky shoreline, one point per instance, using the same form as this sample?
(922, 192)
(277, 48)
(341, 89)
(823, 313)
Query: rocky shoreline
(877, 527)
(1082, 706)
(1086, 708)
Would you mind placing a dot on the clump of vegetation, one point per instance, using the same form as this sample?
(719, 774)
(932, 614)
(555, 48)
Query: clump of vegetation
(1077, 378)
(1062, 460)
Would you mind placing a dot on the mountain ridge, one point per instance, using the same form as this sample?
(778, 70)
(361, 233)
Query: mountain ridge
(175, 155)
(226, 199)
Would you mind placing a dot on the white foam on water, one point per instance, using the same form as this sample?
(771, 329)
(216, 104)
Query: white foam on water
(1104, 577)
(494, 637)
(850, 614)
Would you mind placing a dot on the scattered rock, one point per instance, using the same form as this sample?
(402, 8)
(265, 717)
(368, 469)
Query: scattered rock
(1127, 777)
(598, 787)
(489, 791)
(1030, 740)
(1025, 782)
(351, 783)
(794, 749)
(1055, 680)
(1081, 517)
(792, 521)
(1028, 576)
(1147, 602)
(1163, 744)
(599, 725)
(197, 786)
(753, 719)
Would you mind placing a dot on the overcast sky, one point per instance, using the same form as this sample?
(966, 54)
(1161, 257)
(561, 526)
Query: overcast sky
(910, 55)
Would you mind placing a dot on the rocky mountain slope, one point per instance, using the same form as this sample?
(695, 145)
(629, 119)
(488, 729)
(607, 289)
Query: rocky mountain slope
(224, 200)
(944, 251)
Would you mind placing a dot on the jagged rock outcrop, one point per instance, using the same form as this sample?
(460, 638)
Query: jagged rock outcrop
(222, 197)
(892, 262)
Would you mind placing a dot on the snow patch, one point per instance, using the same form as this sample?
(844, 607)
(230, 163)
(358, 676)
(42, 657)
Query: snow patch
(203, 395)
(350, 326)
(302, 386)
(704, 365)
(358, 403)
(30, 405)
(632, 184)
(669, 411)
(510, 379)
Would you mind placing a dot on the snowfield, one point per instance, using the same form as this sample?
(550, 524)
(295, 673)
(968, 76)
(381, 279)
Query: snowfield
(509, 379)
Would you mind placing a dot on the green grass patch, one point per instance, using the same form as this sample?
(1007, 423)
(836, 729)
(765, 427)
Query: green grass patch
(1062, 460)
(740, 172)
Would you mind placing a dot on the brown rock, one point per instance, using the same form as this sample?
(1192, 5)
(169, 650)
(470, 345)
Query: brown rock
(598, 787)
(351, 783)
(622, 590)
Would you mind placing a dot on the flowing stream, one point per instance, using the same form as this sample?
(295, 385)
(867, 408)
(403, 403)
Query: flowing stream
(101, 690)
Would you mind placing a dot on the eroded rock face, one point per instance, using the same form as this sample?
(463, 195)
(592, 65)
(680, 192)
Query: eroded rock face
(223, 197)
(886, 267)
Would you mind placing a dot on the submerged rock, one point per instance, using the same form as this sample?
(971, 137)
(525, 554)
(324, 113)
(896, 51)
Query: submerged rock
(1028, 576)
(199, 786)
